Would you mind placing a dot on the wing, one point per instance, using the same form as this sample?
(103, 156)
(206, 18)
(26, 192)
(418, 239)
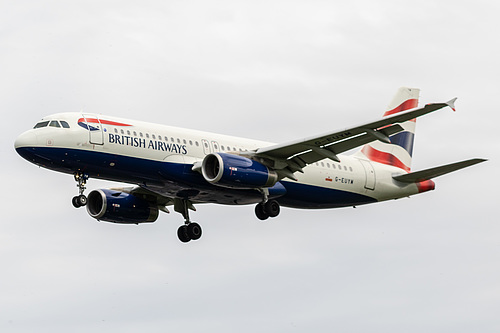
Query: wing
(290, 157)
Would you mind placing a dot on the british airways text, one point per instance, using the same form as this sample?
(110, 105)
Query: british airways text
(150, 144)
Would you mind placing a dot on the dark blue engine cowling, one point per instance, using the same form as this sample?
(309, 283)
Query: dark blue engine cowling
(120, 207)
(238, 172)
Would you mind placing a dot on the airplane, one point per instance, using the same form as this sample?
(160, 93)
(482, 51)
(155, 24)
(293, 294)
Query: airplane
(170, 166)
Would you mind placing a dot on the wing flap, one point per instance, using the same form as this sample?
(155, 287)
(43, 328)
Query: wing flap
(420, 176)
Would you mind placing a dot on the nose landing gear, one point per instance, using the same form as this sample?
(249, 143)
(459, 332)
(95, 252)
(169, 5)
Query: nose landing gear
(80, 200)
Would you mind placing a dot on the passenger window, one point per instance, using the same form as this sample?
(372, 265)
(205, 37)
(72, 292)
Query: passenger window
(190, 142)
(196, 143)
(147, 135)
(122, 132)
(159, 137)
(178, 140)
(154, 137)
(350, 169)
(172, 139)
(184, 141)
(41, 124)
(64, 124)
(116, 131)
(222, 147)
(54, 123)
(333, 166)
(135, 133)
(128, 132)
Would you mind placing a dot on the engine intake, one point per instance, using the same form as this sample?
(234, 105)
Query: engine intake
(120, 207)
(233, 171)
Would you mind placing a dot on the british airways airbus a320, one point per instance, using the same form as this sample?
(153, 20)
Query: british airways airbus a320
(178, 167)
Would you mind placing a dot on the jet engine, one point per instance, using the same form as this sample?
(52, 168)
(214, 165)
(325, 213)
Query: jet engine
(238, 172)
(120, 207)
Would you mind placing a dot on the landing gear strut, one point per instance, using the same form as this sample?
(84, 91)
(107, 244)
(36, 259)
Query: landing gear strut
(190, 230)
(80, 200)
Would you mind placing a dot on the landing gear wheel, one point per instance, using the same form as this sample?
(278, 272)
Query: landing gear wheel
(272, 207)
(260, 212)
(82, 200)
(75, 202)
(194, 231)
(182, 233)
(79, 201)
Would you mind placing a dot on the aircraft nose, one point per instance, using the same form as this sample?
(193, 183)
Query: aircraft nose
(27, 139)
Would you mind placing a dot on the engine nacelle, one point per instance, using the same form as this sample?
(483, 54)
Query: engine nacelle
(233, 171)
(120, 207)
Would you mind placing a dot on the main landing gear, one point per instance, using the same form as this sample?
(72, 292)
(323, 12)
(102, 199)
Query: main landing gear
(271, 208)
(80, 200)
(190, 230)
(267, 208)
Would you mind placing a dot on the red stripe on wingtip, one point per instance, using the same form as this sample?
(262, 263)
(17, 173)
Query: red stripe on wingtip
(384, 158)
(426, 185)
(406, 105)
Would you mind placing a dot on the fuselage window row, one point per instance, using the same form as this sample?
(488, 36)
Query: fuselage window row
(332, 166)
(134, 133)
(216, 146)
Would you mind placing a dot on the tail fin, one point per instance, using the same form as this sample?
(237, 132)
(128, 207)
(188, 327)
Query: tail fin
(399, 152)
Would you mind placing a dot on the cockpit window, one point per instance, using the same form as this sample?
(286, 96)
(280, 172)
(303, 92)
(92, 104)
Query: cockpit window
(41, 124)
(52, 123)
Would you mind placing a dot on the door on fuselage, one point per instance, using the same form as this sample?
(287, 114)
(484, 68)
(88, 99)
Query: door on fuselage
(94, 126)
(369, 173)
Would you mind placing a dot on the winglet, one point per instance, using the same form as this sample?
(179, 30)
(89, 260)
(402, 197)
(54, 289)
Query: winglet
(451, 104)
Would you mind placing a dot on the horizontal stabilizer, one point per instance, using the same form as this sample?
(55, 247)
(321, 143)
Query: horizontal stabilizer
(420, 176)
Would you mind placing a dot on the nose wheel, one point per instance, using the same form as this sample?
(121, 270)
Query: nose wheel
(80, 200)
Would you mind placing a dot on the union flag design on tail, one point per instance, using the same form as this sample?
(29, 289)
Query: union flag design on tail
(399, 152)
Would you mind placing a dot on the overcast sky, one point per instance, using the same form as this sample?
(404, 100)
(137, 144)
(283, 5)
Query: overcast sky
(269, 70)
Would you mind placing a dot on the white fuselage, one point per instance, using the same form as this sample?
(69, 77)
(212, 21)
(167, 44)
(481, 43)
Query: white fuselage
(136, 152)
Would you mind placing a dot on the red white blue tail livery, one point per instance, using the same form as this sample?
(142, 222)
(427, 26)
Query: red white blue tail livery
(398, 152)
